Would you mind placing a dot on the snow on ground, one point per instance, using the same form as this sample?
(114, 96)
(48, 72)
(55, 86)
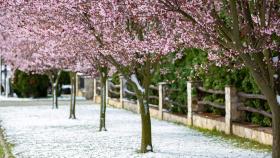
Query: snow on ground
(63, 98)
(4, 98)
(41, 132)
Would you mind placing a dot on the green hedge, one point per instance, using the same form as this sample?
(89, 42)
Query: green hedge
(191, 66)
(30, 85)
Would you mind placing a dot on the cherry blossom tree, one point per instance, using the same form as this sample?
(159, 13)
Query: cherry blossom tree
(87, 47)
(100, 69)
(58, 24)
(37, 42)
(92, 63)
(133, 40)
(232, 30)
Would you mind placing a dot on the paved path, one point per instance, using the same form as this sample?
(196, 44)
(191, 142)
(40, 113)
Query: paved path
(41, 132)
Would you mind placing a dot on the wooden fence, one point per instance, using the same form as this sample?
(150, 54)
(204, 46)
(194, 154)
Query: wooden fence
(234, 107)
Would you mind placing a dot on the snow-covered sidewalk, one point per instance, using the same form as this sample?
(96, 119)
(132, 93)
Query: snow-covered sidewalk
(41, 132)
(60, 98)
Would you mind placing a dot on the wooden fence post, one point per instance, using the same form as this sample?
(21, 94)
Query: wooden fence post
(232, 113)
(190, 103)
(94, 90)
(107, 90)
(161, 95)
(122, 90)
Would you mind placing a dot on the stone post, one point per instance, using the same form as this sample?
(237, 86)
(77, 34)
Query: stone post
(161, 96)
(94, 90)
(232, 113)
(122, 90)
(190, 103)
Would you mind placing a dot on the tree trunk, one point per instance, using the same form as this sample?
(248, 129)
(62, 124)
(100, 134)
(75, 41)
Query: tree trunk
(73, 96)
(54, 78)
(0, 75)
(71, 101)
(270, 95)
(103, 105)
(143, 98)
(275, 109)
(276, 132)
(55, 84)
(146, 140)
(146, 71)
(55, 102)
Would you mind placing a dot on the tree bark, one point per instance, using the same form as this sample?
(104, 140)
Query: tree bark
(54, 98)
(143, 98)
(54, 78)
(103, 104)
(146, 140)
(146, 71)
(276, 132)
(275, 108)
(55, 101)
(267, 89)
(73, 96)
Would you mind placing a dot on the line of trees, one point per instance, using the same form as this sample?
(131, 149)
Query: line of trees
(131, 37)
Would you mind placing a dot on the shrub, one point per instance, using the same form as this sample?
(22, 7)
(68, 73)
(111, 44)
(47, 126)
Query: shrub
(191, 66)
(30, 85)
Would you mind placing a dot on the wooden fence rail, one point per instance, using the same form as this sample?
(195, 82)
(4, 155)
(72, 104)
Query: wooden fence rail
(211, 91)
(115, 90)
(251, 96)
(240, 106)
(254, 110)
(210, 103)
(219, 106)
(233, 106)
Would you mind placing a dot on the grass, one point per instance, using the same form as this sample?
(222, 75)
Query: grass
(235, 140)
(4, 144)
(10, 146)
(1, 151)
